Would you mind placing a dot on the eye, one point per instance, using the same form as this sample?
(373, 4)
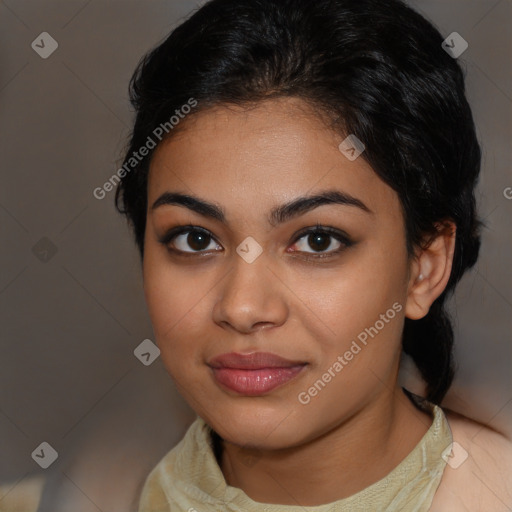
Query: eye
(193, 240)
(183, 238)
(324, 241)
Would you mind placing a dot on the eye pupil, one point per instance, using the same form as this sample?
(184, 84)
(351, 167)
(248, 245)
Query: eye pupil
(315, 240)
(196, 240)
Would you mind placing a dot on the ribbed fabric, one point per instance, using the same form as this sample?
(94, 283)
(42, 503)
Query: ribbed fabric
(189, 479)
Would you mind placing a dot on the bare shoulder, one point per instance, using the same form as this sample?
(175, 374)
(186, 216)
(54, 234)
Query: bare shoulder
(478, 475)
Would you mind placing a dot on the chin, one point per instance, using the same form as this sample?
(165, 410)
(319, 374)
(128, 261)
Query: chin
(263, 428)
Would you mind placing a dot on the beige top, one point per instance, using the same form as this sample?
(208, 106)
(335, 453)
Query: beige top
(189, 479)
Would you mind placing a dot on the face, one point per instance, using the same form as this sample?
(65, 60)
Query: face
(259, 269)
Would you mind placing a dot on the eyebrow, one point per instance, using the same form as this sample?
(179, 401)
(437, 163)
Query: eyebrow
(278, 214)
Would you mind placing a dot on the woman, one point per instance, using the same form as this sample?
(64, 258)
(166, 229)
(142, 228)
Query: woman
(300, 181)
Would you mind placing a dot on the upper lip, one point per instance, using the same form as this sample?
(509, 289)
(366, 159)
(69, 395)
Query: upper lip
(254, 361)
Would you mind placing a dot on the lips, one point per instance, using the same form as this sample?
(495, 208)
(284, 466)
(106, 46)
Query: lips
(254, 374)
(254, 361)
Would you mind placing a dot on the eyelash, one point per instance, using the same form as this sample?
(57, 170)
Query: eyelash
(340, 236)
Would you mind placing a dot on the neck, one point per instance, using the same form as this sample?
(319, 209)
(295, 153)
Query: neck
(341, 462)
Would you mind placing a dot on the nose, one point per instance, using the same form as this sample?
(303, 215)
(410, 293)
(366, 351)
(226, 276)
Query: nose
(251, 297)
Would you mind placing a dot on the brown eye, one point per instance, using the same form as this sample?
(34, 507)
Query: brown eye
(189, 240)
(322, 241)
(197, 241)
(319, 241)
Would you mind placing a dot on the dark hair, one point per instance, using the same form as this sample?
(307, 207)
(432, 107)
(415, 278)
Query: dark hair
(377, 69)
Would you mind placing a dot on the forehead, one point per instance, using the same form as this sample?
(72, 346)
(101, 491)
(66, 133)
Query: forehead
(270, 153)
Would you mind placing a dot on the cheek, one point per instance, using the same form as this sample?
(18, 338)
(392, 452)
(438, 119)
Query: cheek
(351, 303)
(175, 299)
(357, 331)
(175, 310)
(351, 298)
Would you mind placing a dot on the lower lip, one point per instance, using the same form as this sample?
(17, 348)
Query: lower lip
(255, 382)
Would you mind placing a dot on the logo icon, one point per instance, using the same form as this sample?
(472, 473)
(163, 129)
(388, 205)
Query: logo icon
(44, 45)
(45, 455)
(249, 459)
(249, 249)
(454, 455)
(455, 45)
(44, 250)
(146, 352)
(352, 147)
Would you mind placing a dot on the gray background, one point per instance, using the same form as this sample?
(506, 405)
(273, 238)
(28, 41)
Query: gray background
(71, 320)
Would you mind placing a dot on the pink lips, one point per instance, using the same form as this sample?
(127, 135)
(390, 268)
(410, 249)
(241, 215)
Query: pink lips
(254, 374)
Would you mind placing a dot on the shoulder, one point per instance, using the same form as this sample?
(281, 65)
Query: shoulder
(478, 475)
(162, 491)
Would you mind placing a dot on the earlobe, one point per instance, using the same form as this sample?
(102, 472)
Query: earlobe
(430, 271)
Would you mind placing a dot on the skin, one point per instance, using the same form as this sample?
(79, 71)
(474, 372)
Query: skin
(483, 481)
(248, 162)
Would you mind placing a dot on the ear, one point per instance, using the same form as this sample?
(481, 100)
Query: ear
(430, 270)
